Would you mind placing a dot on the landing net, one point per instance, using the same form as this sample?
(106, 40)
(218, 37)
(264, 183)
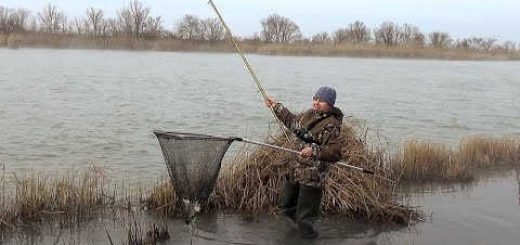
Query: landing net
(193, 162)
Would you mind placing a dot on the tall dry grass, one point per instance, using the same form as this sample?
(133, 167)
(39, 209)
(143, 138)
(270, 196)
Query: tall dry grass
(7, 212)
(479, 151)
(307, 49)
(426, 161)
(74, 194)
(252, 184)
(161, 198)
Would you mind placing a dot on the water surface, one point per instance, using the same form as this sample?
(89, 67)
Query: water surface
(64, 108)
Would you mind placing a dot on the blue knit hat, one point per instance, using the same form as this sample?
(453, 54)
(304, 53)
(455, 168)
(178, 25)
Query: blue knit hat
(327, 94)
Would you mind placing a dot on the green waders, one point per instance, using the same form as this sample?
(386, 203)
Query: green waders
(301, 203)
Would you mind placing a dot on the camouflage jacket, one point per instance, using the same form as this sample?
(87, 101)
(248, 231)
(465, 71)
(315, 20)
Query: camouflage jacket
(321, 132)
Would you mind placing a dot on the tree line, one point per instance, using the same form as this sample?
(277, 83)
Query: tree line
(136, 21)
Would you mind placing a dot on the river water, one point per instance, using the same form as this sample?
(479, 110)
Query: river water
(483, 212)
(64, 108)
(61, 109)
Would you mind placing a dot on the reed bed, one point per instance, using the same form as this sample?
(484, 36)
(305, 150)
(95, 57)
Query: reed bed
(72, 195)
(139, 235)
(161, 198)
(252, 184)
(46, 40)
(479, 151)
(7, 218)
(427, 161)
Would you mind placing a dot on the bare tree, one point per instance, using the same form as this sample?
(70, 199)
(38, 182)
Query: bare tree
(439, 39)
(410, 36)
(63, 23)
(508, 46)
(485, 43)
(22, 18)
(95, 19)
(279, 29)
(212, 29)
(125, 21)
(78, 25)
(50, 18)
(112, 28)
(139, 16)
(387, 33)
(4, 18)
(12, 20)
(133, 18)
(356, 32)
(154, 27)
(33, 23)
(476, 43)
(189, 28)
(321, 37)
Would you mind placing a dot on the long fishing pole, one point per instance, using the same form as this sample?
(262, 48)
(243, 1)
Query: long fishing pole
(265, 97)
(248, 66)
(297, 152)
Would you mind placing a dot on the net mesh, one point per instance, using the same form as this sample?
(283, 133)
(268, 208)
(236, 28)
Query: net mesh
(193, 162)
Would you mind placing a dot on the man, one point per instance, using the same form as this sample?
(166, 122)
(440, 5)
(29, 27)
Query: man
(317, 133)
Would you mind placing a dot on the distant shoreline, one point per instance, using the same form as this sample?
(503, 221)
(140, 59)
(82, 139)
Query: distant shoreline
(366, 50)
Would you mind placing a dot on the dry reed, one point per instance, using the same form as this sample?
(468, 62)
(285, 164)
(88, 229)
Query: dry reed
(426, 161)
(479, 151)
(72, 195)
(155, 234)
(252, 184)
(299, 48)
(161, 198)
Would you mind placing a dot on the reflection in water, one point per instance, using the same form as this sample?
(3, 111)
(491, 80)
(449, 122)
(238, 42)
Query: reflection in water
(518, 183)
(417, 189)
(211, 229)
(483, 211)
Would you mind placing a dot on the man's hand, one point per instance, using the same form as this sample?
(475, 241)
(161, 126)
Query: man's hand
(306, 152)
(270, 102)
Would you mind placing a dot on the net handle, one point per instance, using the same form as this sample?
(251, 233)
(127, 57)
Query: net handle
(364, 170)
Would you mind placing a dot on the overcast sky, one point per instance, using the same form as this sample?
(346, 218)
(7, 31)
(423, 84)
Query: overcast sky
(460, 18)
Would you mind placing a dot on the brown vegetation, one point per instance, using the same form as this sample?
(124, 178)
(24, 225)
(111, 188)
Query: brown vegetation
(134, 28)
(480, 151)
(73, 195)
(426, 161)
(155, 234)
(252, 184)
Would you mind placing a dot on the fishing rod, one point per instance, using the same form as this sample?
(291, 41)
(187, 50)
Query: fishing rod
(265, 97)
(248, 66)
(364, 170)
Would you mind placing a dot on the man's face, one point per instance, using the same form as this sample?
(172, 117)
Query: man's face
(320, 105)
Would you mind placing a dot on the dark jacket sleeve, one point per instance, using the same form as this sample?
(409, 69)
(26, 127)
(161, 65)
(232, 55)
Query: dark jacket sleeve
(287, 117)
(330, 149)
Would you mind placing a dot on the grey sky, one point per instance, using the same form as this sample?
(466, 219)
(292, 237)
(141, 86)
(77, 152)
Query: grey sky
(461, 18)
